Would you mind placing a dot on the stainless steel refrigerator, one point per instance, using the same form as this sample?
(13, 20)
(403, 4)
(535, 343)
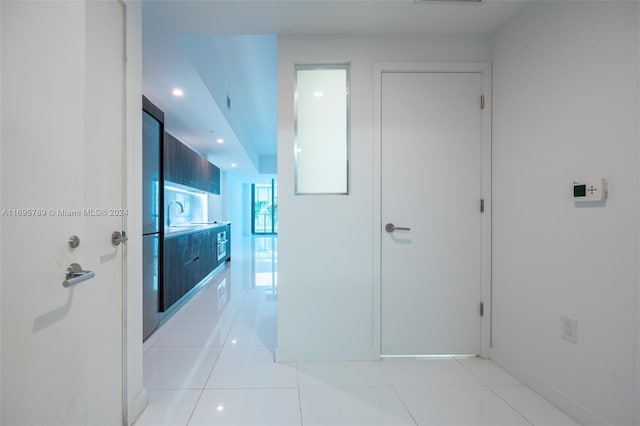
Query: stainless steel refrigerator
(152, 130)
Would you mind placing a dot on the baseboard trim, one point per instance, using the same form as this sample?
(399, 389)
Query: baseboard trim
(565, 403)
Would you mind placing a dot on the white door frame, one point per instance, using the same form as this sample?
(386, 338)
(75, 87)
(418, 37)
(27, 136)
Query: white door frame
(135, 396)
(484, 68)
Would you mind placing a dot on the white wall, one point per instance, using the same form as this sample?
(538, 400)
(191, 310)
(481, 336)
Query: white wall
(247, 215)
(268, 164)
(217, 202)
(565, 106)
(325, 243)
(234, 207)
(216, 207)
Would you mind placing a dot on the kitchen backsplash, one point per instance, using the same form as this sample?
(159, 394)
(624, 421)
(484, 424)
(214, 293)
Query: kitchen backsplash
(184, 206)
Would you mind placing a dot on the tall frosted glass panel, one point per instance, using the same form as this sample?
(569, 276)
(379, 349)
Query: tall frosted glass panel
(322, 129)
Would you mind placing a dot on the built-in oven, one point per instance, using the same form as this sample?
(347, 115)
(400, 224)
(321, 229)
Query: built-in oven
(221, 243)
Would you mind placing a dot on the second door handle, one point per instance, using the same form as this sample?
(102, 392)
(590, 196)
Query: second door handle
(390, 227)
(117, 238)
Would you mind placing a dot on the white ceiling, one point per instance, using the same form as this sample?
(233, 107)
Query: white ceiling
(218, 48)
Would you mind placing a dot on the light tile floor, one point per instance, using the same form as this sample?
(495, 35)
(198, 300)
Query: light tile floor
(212, 364)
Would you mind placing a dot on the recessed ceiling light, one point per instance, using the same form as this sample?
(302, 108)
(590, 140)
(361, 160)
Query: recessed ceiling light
(317, 94)
(220, 140)
(177, 92)
(220, 408)
(234, 165)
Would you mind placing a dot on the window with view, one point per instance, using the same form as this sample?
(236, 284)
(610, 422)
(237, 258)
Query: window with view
(264, 201)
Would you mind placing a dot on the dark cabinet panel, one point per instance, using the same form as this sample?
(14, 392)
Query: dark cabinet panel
(216, 180)
(182, 171)
(188, 259)
(169, 157)
(211, 169)
(202, 173)
(208, 253)
(173, 280)
(184, 166)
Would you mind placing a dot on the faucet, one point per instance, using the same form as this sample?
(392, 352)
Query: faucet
(169, 211)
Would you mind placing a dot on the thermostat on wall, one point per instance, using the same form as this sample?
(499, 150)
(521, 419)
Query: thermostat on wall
(590, 189)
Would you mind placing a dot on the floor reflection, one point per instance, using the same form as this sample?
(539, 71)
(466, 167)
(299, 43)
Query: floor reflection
(264, 269)
(213, 364)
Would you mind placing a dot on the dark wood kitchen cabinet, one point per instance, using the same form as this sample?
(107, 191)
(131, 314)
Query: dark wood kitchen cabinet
(208, 255)
(188, 259)
(173, 277)
(186, 167)
(181, 267)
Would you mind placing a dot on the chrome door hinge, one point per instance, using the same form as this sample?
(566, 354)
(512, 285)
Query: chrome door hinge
(481, 101)
(482, 205)
(481, 309)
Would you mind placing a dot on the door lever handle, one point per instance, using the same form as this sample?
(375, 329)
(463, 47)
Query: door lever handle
(117, 238)
(390, 227)
(76, 275)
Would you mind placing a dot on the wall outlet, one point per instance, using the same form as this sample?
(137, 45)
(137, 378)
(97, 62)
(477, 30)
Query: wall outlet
(569, 329)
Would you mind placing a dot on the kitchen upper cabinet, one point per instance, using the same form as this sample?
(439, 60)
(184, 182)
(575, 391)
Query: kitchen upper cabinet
(216, 180)
(184, 166)
(169, 156)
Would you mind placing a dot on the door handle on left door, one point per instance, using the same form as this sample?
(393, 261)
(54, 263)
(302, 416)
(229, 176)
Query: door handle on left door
(117, 238)
(390, 227)
(76, 275)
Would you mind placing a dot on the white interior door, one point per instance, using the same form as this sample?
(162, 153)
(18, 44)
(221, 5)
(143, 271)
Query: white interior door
(431, 183)
(62, 168)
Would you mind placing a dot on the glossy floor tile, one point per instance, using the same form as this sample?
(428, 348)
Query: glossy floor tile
(341, 375)
(532, 406)
(211, 363)
(247, 407)
(456, 405)
(193, 333)
(251, 367)
(182, 367)
(428, 372)
(353, 406)
(169, 407)
(488, 372)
